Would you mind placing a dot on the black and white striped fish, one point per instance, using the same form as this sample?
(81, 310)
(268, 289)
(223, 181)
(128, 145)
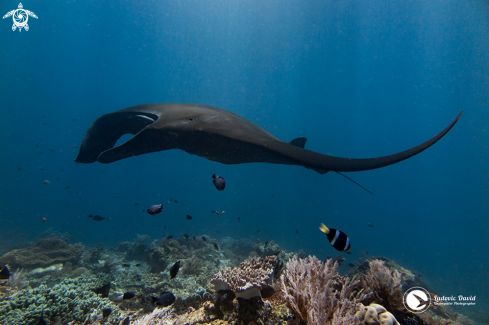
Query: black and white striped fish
(338, 239)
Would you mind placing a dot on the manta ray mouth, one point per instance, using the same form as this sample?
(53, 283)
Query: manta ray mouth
(106, 130)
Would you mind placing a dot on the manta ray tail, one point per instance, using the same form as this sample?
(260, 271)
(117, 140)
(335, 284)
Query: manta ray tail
(353, 181)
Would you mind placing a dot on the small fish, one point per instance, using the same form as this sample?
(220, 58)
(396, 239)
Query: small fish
(46, 182)
(351, 265)
(136, 204)
(185, 236)
(204, 239)
(297, 231)
(137, 264)
(67, 188)
(4, 272)
(51, 150)
(126, 321)
(194, 238)
(166, 299)
(215, 246)
(155, 209)
(370, 225)
(169, 237)
(164, 227)
(44, 220)
(339, 259)
(219, 182)
(189, 217)
(339, 240)
(128, 295)
(103, 290)
(175, 201)
(126, 265)
(106, 312)
(18, 169)
(96, 217)
(174, 269)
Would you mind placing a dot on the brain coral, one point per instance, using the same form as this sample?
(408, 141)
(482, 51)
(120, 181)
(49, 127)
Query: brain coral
(46, 252)
(70, 301)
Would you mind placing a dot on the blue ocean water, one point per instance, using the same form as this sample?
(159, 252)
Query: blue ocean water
(357, 78)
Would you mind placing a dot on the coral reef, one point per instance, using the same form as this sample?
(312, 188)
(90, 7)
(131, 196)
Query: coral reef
(249, 280)
(317, 294)
(70, 301)
(375, 314)
(18, 280)
(46, 252)
(385, 284)
(311, 290)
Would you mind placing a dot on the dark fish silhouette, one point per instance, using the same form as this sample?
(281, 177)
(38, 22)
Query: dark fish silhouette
(103, 290)
(155, 209)
(204, 239)
(185, 236)
(370, 225)
(189, 217)
(4, 272)
(126, 321)
(174, 269)
(96, 217)
(219, 182)
(166, 299)
(215, 246)
(169, 237)
(217, 135)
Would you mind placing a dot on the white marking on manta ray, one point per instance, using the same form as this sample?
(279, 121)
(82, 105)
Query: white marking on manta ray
(146, 117)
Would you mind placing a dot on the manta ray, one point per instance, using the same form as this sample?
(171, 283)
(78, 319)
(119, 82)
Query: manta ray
(215, 134)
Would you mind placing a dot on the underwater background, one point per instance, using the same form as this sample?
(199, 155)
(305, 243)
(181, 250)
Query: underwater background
(357, 78)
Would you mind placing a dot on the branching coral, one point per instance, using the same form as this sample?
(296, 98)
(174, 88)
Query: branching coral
(317, 294)
(71, 300)
(18, 280)
(385, 284)
(247, 281)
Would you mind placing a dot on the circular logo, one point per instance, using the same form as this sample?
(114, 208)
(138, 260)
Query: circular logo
(20, 18)
(417, 300)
